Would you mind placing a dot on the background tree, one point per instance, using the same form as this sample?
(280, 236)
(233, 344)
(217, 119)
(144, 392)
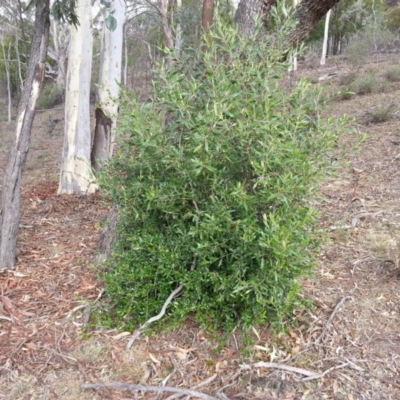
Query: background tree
(11, 189)
(326, 36)
(109, 83)
(307, 15)
(6, 52)
(207, 14)
(76, 175)
(56, 69)
(16, 30)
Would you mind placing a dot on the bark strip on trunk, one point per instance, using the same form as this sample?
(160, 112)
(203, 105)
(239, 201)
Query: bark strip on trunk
(103, 139)
(11, 189)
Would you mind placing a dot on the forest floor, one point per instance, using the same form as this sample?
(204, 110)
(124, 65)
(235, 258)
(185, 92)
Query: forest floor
(347, 346)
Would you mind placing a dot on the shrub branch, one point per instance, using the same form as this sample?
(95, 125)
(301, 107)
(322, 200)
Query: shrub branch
(156, 317)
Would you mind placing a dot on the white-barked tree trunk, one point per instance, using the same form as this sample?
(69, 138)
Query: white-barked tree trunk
(109, 85)
(326, 36)
(76, 173)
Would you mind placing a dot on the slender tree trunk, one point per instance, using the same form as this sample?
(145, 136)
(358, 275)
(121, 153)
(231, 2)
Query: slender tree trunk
(6, 58)
(58, 52)
(21, 79)
(207, 14)
(125, 82)
(163, 10)
(21, 27)
(76, 175)
(293, 59)
(207, 19)
(11, 189)
(326, 36)
(178, 33)
(108, 90)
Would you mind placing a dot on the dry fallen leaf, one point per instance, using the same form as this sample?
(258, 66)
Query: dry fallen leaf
(6, 303)
(295, 350)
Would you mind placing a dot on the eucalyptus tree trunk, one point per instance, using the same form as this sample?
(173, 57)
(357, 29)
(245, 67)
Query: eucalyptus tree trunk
(326, 36)
(11, 189)
(163, 10)
(6, 60)
(76, 175)
(58, 52)
(246, 12)
(293, 59)
(108, 89)
(307, 15)
(207, 19)
(178, 31)
(207, 14)
(21, 80)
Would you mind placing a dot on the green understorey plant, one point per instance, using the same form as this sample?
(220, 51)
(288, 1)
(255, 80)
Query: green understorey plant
(213, 182)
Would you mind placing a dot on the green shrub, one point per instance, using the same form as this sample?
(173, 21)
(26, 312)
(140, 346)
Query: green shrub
(348, 79)
(392, 74)
(357, 51)
(213, 181)
(50, 97)
(345, 94)
(379, 114)
(369, 83)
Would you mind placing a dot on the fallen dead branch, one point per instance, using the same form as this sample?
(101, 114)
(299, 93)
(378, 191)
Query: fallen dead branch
(198, 386)
(309, 374)
(159, 389)
(319, 376)
(282, 367)
(334, 312)
(156, 317)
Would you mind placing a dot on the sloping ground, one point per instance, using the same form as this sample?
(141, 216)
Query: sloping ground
(347, 346)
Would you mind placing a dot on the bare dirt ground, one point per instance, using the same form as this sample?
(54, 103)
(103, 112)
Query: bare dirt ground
(346, 347)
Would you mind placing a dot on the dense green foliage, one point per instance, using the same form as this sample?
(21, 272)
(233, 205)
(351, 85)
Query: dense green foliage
(213, 181)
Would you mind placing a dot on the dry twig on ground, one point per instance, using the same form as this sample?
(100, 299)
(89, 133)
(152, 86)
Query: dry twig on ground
(159, 389)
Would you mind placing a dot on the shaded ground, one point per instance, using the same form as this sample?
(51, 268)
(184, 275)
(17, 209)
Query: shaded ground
(351, 338)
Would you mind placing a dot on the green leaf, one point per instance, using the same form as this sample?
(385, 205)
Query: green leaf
(111, 23)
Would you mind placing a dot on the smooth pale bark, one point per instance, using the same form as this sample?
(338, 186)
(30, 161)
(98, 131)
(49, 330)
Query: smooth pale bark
(163, 10)
(6, 59)
(326, 36)
(76, 175)
(21, 79)
(178, 32)
(108, 89)
(58, 52)
(293, 59)
(11, 189)
(125, 56)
